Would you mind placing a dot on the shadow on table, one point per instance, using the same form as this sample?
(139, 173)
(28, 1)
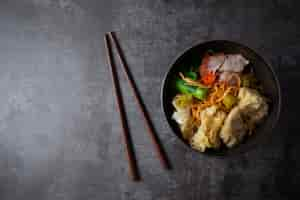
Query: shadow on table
(288, 173)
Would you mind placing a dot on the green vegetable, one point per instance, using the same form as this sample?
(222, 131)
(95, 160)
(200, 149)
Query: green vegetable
(190, 72)
(192, 75)
(197, 92)
(246, 83)
(249, 80)
(229, 101)
(183, 100)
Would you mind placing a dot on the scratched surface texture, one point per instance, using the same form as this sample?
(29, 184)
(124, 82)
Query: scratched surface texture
(60, 135)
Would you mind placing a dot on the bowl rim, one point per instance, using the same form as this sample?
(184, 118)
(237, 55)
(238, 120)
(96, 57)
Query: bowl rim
(183, 52)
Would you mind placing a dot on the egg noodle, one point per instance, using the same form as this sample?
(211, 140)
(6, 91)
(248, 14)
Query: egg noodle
(217, 93)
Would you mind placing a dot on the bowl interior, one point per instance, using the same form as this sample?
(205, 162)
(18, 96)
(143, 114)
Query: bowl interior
(263, 72)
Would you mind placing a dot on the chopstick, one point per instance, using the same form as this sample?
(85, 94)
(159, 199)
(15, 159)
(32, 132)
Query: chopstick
(155, 140)
(126, 136)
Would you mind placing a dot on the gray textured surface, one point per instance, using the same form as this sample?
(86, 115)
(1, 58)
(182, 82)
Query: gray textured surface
(60, 133)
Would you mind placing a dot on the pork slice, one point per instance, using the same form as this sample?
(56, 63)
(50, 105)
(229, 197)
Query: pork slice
(234, 63)
(215, 62)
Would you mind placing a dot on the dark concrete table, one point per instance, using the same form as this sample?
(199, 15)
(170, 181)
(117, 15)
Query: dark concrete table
(60, 135)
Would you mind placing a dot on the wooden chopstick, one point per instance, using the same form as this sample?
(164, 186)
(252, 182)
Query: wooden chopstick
(154, 138)
(126, 136)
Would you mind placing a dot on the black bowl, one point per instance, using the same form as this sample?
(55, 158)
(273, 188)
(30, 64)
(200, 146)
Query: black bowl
(263, 71)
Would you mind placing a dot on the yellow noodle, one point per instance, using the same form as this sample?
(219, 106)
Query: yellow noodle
(215, 97)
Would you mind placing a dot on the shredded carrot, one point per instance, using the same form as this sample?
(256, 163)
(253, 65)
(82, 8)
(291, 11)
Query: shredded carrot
(209, 78)
(215, 97)
(192, 82)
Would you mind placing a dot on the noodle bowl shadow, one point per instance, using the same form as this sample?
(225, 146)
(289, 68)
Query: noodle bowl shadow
(263, 72)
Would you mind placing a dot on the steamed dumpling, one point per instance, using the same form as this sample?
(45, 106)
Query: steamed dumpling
(251, 110)
(207, 135)
(182, 115)
(252, 105)
(185, 122)
(234, 129)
